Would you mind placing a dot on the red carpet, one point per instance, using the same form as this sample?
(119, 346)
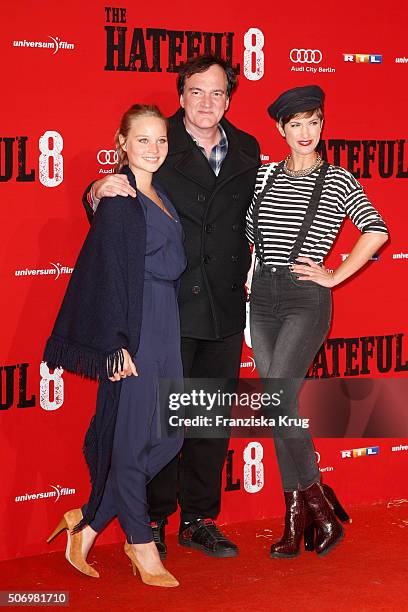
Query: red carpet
(367, 571)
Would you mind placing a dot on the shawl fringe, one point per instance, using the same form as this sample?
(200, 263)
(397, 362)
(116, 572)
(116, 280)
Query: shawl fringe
(81, 360)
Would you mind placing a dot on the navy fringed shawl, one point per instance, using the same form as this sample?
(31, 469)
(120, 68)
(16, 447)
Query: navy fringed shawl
(101, 314)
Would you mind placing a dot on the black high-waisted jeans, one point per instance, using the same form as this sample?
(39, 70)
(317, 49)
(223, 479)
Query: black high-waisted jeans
(289, 321)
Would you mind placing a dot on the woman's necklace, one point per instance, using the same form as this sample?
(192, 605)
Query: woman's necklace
(304, 172)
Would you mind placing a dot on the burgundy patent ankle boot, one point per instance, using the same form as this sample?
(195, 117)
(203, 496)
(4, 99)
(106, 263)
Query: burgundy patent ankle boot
(288, 545)
(338, 509)
(309, 534)
(329, 532)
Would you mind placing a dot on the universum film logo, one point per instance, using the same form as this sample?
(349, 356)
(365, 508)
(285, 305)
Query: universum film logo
(56, 491)
(399, 448)
(55, 44)
(57, 270)
(249, 363)
(400, 255)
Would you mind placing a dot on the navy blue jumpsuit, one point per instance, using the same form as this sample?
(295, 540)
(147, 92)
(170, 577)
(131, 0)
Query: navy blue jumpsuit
(140, 451)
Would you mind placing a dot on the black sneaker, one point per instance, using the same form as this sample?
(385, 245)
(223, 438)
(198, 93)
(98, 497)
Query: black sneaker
(158, 528)
(203, 534)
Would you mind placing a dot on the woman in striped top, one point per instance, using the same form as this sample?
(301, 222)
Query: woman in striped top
(298, 208)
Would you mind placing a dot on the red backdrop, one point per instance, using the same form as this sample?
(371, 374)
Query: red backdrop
(69, 72)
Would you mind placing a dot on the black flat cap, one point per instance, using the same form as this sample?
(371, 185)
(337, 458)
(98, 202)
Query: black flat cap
(296, 100)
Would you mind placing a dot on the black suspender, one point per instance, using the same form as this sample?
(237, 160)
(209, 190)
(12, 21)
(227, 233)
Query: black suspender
(310, 213)
(307, 221)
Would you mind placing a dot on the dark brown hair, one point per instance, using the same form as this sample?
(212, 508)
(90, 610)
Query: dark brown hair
(201, 63)
(134, 112)
(307, 114)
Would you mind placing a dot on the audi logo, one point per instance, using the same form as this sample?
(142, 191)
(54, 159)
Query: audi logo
(105, 157)
(306, 56)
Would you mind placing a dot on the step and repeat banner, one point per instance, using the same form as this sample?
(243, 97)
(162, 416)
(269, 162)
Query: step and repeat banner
(69, 72)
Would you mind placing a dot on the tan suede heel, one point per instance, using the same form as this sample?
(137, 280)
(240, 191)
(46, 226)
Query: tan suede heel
(161, 580)
(73, 552)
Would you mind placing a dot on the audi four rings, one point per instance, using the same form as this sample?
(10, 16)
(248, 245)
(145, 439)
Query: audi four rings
(105, 157)
(306, 56)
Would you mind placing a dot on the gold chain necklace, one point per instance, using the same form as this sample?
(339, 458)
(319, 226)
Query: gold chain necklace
(305, 172)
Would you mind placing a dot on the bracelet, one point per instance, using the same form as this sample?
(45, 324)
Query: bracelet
(92, 197)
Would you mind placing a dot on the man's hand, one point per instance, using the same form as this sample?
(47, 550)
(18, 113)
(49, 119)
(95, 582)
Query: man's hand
(129, 368)
(112, 185)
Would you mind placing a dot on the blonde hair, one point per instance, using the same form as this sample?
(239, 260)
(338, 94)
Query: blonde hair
(134, 112)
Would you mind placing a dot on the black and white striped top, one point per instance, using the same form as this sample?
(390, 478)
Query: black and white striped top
(284, 206)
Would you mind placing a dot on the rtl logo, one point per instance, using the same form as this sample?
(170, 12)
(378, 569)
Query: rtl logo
(362, 58)
(360, 452)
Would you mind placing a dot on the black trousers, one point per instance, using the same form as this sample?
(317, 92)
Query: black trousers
(193, 478)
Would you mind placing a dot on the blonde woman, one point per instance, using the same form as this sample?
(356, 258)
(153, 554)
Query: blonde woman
(119, 323)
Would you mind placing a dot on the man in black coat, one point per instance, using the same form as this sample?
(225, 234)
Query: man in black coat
(209, 174)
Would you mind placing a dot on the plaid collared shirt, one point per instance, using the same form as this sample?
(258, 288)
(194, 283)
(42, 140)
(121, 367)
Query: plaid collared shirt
(218, 152)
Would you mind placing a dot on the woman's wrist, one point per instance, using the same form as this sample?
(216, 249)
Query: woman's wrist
(334, 279)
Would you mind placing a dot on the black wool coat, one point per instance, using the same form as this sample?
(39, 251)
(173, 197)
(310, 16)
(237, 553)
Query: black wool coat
(212, 211)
